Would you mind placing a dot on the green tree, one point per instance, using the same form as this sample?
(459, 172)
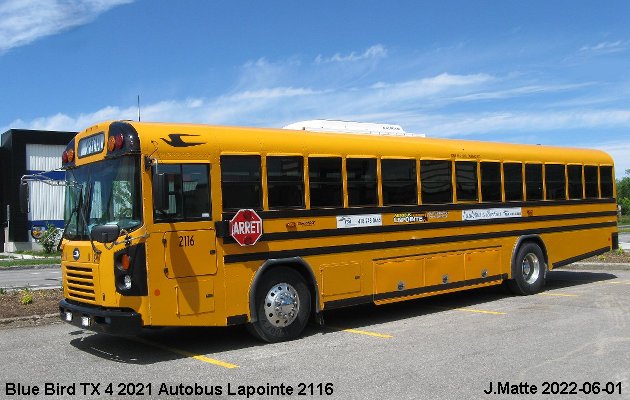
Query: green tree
(623, 193)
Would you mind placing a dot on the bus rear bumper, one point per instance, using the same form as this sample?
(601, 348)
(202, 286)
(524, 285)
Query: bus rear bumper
(100, 319)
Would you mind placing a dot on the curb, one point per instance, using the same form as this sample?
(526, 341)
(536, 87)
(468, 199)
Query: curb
(4, 321)
(36, 266)
(601, 264)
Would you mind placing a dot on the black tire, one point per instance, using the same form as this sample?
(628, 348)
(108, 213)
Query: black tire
(529, 270)
(284, 283)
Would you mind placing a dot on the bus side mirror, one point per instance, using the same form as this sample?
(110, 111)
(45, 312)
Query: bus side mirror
(160, 191)
(24, 197)
(105, 233)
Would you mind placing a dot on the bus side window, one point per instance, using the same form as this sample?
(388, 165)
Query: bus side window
(534, 181)
(555, 181)
(435, 178)
(362, 182)
(574, 173)
(188, 193)
(325, 185)
(241, 184)
(591, 183)
(196, 190)
(513, 177)
(285, 182)
(399, 182)
(606, 181)
(466, 180)
(491, 181)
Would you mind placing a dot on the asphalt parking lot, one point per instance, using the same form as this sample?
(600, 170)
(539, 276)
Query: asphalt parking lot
(447, 347)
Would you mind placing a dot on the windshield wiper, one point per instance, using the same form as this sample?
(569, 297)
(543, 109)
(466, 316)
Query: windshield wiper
(66, 223)
(88, 201)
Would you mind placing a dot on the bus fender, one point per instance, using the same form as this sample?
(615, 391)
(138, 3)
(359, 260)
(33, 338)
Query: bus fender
(532, 238)
(300, 266)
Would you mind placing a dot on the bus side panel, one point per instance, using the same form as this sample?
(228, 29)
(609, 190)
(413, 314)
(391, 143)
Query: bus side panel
(398, 275)
(561, 246)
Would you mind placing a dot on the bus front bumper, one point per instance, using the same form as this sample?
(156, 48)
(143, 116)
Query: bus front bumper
(100, 319)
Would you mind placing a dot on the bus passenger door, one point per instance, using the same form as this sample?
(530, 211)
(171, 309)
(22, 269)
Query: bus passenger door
(189, 253)
(188, 236)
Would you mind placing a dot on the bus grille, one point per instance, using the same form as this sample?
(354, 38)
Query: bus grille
(80, 283)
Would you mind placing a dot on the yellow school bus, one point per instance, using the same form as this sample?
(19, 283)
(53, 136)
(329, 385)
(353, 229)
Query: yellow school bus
(194, 225)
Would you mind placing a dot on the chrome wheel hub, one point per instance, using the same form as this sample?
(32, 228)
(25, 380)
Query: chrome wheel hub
(530, 268)
(282, 305)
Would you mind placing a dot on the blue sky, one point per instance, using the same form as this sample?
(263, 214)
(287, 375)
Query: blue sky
(548, 72)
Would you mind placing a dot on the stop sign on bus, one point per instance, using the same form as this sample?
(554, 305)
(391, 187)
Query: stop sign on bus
(246, 227)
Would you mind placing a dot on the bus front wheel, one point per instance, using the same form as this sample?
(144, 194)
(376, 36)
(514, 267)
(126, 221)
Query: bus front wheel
(528, 270)
(283, 306)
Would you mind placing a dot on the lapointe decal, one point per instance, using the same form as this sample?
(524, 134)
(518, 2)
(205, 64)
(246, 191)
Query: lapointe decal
(409, 218)
(491, 213)
(358, 221)
(437, 214)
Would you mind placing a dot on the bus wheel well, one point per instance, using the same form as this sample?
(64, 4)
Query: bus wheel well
(297, 264)
(533, 239)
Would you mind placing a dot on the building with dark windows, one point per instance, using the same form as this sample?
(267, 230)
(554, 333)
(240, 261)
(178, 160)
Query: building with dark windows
(25, 152)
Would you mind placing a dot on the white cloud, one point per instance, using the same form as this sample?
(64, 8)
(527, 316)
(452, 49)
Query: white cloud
(374, 52)
(429, 86)
(466, 124)
(24, 21)
(272, 93)
(605, 47)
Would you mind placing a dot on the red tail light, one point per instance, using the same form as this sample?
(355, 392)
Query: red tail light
(120, 141)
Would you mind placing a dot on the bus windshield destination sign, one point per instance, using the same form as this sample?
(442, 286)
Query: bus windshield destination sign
(91, 144)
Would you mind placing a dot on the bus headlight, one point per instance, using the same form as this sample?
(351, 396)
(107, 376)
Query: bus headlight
(127, 281)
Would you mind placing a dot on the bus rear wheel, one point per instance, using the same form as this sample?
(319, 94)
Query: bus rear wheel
(528, 270)
(283, 306)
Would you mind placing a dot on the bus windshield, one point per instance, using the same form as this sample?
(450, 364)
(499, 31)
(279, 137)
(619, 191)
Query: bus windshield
(104, 192)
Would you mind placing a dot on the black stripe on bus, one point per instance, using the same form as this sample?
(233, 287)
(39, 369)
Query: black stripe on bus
(267, 255)
(274, 236)
(571, 260)
(328, 212)
(410, 292)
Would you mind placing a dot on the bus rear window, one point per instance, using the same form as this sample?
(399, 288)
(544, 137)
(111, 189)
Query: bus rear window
(606, 181)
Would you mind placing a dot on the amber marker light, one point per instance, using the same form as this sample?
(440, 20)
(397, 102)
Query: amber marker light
(70, 155)
(125, 261)
(111, 143)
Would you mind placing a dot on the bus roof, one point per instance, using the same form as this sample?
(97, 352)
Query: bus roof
(237, 140)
